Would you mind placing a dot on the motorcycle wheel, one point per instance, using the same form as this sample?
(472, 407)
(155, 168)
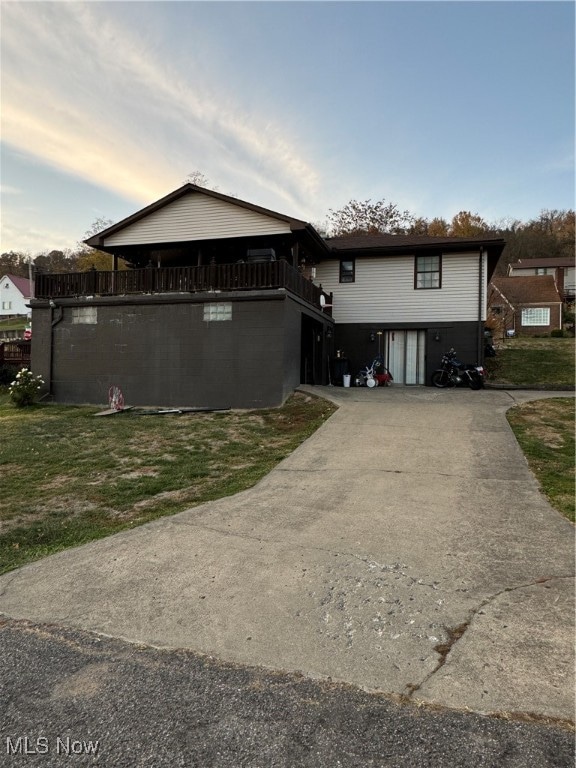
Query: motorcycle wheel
(474, 383)
(442, 379)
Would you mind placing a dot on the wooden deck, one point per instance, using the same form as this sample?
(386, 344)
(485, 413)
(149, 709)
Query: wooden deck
(215, 277)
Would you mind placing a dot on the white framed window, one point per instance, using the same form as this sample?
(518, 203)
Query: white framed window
(84, 315)
(6, 305)
(536, 316)
(217, 311)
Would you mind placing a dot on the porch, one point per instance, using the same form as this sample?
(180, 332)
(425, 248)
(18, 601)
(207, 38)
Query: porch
(209, 278)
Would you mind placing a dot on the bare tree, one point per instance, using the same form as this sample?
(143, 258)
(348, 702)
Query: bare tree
(366, 217)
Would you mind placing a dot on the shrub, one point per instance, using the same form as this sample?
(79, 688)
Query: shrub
(25, 388)
(557, 333)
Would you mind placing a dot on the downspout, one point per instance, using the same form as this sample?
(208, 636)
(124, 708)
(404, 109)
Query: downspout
(53, 322)
(480, 335)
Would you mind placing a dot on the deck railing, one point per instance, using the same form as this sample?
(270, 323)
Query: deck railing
(15, 353)
(213, 277)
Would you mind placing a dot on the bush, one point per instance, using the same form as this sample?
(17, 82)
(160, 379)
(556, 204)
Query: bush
(25, 388)
(557, 333)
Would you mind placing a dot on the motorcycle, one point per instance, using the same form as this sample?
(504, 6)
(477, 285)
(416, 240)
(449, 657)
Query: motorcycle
(455, 373)
(375, 374)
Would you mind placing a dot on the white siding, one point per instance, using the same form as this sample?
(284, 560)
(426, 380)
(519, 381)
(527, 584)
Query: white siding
(197, 217)
(12, 302)
(383, 291)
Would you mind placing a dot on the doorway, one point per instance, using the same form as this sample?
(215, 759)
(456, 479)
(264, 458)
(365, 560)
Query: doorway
(405, 356)
(311, 351)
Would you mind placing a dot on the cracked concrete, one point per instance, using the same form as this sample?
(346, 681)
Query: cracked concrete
(404, 548)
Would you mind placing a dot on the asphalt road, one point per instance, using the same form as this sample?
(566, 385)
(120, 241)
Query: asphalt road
(83, 700)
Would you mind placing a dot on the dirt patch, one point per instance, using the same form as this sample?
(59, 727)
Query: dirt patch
(138, 473)
(57, 482)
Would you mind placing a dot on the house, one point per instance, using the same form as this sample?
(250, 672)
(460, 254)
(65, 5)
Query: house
(409, 298)
(562, 269)
(228, 304)
(530, 306)
(15, 293)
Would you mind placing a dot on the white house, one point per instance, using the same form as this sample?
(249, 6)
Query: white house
(15, 294)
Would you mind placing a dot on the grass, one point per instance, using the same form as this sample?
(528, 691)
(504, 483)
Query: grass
(546, 363)
(68, 478)
(14, 324)
(545, 431)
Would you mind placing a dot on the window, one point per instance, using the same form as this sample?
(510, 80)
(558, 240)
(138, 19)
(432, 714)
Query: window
(347, 271)
(427, 272)
(536, 316)
(84, 315)
(214, 311)
(6, 305)
(542, 271)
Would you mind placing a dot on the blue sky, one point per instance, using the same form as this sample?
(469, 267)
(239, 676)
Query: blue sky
(295, 106)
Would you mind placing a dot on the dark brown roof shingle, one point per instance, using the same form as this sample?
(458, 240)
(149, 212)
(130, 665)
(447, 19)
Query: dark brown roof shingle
(532, 289)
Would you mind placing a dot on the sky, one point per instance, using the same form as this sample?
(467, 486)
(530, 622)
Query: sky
(298, 107)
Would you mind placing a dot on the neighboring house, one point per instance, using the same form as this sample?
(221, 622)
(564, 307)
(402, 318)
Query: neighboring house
(527, 306)
(231, 304)
(15, 293)
(562, 270)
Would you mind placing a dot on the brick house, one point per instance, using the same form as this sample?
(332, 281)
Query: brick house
(527, 306)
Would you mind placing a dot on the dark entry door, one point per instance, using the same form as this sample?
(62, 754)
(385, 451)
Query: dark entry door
(311, 352)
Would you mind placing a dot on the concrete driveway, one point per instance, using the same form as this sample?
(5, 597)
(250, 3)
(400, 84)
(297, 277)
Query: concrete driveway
(404, 548)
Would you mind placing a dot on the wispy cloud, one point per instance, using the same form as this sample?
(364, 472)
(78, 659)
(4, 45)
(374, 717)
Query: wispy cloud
(24, 238)
(88, 96)
(6, 189)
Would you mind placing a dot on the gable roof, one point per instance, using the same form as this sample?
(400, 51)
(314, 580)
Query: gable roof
(22, 284)
(531, 289)
(560, 261)
(112, 235)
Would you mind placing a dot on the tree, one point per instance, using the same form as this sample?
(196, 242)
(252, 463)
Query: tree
(419, 226)
(368, 218)
(466, 224)
(550, 235)
(88, 257)
(438, 228)
(14, 263)
(200, 180)
(56, 261)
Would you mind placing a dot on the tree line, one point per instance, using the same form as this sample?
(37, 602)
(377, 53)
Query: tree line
(551, 234)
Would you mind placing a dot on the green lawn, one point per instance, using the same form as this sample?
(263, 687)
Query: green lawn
(14, 324)
(69, 477)
(545, 432)
(538, 363)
